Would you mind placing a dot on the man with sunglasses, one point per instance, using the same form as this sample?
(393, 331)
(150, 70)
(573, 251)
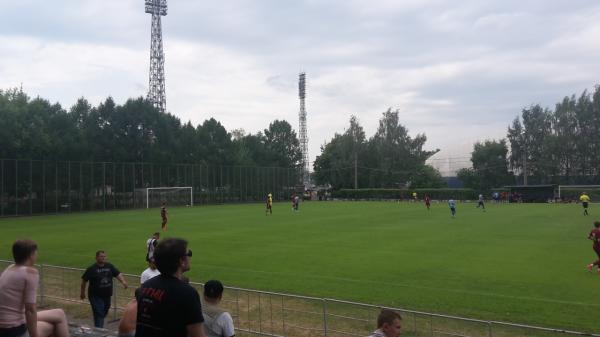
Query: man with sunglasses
(167, 306)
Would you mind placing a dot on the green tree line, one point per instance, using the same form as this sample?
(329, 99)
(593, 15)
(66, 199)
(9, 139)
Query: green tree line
(543, 146)
(133, 132)
(391, 158)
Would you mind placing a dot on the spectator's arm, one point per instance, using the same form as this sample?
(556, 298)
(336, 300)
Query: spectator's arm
(122, 280)
(82, 294)
(195, 330)
(31, 319)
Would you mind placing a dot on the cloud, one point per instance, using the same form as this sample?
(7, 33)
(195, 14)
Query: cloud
(456, 71)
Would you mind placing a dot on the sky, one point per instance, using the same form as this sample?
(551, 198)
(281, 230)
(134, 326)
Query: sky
(457, 71)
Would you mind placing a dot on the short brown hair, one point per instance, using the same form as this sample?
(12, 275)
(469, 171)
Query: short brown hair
(22, 250)
(168, 253)
(100, 252)
(597, 224)
(387, 316)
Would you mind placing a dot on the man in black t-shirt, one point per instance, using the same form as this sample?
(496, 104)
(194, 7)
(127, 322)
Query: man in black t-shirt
(100, 275)
(167, 306)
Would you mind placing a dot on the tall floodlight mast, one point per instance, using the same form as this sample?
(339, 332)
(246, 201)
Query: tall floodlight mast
(156, 89)
(303, 136)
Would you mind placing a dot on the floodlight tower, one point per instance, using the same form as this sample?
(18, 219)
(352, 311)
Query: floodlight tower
(156, 89)
(303, 136)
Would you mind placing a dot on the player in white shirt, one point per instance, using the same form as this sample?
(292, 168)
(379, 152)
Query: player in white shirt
(481, 203)
(452, 205)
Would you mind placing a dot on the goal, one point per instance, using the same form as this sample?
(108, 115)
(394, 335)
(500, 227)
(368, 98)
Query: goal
(173, 196)
(572, 192)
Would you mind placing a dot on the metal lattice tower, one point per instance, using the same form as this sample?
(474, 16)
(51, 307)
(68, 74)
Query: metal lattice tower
(156, 89)
(303, 135)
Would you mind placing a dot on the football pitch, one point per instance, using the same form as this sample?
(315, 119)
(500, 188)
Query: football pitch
(519, 263)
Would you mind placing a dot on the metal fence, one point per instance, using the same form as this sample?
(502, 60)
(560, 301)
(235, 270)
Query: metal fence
(36, 187)
(263, 313)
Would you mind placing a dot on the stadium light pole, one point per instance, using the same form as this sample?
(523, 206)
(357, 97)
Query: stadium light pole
(303, 132)
(156, 87)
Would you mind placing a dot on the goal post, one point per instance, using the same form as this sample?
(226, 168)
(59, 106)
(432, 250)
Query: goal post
(179, 195)
(572, 192)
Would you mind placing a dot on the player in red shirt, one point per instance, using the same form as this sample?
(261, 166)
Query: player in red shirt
(595, 236)
(163, 215)
(427, 201)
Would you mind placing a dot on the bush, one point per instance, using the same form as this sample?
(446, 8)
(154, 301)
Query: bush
(395, 194)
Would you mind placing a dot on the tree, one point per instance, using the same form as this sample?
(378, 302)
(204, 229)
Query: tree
(490, 166)
(133, 132)
(391, 158)
(282, 145)
(215, 145)
(531, 143)
(395, 155)
(427, 177)
(342, 159)
(250, 150)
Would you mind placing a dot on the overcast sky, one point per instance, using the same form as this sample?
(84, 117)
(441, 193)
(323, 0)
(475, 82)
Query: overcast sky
(458, 71)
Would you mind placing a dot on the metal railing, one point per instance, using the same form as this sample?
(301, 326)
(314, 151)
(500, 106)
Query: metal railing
(264, 313)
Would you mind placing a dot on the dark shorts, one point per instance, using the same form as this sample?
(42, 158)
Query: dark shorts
(585, 205)
(164, 221)
(18, 331)
(597, 250)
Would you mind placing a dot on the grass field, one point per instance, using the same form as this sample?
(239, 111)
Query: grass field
(517, 263)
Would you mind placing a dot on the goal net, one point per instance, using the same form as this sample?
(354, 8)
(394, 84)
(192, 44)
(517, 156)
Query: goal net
(573, 192)
(173, 196)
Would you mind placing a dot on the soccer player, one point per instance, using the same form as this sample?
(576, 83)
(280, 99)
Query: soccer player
(595, 237)
(585, 199)
(414, 196)
(295, 202)
(481, 203)
(150, 245)
(427, 201)
(269, 209)
(163, 215)
(452, 205)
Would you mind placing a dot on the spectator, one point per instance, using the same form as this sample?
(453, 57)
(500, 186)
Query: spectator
(129, 319)
(100, 275)
(388, 324)
(217, 322)
(151, 245)
(150, 272)
(167, 306)
(18, 312)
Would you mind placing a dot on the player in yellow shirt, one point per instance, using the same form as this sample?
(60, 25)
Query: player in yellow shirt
(414, 196)
(269, 204)
(585, 199)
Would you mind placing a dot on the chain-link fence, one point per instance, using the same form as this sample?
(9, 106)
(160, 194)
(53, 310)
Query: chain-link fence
(36, 187)
(263, 313)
